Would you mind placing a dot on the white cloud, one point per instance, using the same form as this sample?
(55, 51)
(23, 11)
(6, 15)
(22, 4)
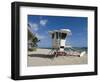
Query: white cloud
(40, 36)
(43, 22)
(34, 26)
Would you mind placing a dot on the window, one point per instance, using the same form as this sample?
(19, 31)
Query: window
(61, 46)
(63, 35)
(59, 35)
(56, 35)
(52, 35)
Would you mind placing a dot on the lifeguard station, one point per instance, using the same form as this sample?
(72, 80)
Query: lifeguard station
(59, 38)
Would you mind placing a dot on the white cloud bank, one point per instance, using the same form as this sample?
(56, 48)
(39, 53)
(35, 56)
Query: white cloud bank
(43, 22)
(34, 26)
(40, 36)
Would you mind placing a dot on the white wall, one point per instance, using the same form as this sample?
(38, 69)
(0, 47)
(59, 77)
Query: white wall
(5, 41)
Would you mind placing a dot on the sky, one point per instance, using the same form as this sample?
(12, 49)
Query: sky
(42, 24)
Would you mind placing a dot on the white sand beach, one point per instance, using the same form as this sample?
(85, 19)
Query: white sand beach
(40, 57)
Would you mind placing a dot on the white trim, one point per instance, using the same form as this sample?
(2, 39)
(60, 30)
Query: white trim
(24, 70)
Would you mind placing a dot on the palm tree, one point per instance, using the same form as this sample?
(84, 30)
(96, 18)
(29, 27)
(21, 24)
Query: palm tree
(32, 39)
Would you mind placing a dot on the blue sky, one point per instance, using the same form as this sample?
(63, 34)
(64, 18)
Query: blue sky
(40, 25)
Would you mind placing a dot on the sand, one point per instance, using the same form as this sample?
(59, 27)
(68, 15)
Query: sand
(40, 57)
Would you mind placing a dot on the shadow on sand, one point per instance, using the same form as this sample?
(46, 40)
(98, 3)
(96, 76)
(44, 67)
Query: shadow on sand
(42, 56)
